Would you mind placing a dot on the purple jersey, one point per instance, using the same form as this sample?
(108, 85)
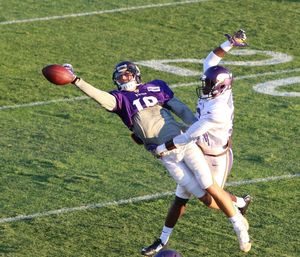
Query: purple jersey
(149, 94)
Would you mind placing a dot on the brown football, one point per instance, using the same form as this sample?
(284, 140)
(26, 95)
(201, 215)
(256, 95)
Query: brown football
(58, 74)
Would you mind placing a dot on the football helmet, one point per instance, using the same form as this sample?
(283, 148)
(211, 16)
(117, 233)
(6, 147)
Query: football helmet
(215, 81)
(168, 253)
(122, 68)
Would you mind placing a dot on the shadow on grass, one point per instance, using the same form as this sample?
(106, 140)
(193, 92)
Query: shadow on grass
(6, 249)
(254, 158)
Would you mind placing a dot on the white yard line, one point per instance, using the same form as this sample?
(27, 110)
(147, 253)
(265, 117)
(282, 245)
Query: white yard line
(126, 9)
(134, 200)
(7, 107)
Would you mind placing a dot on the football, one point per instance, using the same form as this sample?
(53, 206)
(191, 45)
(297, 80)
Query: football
(58, 74)
(168, 253)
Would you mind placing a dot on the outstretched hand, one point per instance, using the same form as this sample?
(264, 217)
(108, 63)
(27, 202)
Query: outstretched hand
(238, 38)
(69, 67)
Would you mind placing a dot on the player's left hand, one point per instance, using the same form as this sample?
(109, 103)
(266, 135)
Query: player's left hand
(238, 38)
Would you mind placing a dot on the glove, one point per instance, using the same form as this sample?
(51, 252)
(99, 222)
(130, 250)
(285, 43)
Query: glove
(238, 38)
(161, 150)
(69, 67)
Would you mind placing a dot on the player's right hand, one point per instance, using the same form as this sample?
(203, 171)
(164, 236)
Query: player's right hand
(69, 67)
(238, 38)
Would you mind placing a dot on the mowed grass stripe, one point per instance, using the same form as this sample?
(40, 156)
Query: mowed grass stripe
(134, 200)
(6, 107)
(74, 15)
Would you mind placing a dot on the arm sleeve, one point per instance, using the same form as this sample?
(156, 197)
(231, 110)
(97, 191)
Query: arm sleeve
(211, 60)
(214, 57)
(206, 122)
(105, 99)
(194, 131)
(181, 110)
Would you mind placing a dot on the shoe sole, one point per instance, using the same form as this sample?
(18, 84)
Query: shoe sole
(246, 247)
(245, 208)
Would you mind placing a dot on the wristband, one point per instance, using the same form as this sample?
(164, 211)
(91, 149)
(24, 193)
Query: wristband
(226, 46)
(75, 80)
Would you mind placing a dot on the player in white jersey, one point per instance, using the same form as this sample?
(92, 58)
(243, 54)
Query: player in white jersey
(212, 132)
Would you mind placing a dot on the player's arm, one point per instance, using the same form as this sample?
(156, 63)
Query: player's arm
(105, 99)
(214, 57)
(194, 131)
(181, 110)
(207, 121)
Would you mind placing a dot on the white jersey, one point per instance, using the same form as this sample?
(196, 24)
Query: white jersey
(214, 126)
(193, 169)
(216, 117)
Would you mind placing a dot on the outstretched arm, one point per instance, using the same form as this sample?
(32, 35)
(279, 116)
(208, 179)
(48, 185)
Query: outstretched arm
(214, 57)
(105, 99)
(205, 123)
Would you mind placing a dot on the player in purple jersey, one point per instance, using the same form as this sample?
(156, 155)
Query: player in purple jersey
(144, 108)
(212, 132)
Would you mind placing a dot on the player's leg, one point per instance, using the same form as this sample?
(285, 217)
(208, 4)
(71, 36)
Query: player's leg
(176, 210)
(220, 167)
(196, 162)
(187, 185)
(240, 224)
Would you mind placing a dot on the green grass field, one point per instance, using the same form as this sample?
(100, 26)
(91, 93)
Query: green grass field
(72, 182)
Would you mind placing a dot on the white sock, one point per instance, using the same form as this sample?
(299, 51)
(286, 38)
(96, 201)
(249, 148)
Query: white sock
(240, 202)
(165, 234)
(235, 218)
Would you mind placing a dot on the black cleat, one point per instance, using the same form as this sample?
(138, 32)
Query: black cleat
(247, 199)
(153, 249)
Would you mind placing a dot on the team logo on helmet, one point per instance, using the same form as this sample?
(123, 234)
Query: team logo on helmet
(215, 81)
(168, 253)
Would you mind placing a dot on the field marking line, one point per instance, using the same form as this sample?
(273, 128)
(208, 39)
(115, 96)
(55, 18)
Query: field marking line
(134, 200)
(241, 77)
(79, 98)
(125, 9)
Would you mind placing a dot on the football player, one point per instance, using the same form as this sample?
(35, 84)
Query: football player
(212, 132)
(145, 110)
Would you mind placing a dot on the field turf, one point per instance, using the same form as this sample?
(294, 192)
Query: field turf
(72, 183)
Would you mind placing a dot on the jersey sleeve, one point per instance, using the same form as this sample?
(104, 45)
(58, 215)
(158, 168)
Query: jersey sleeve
(181, 110)
(166, 92)
(212, 119)
(105, 99)
(215, 56)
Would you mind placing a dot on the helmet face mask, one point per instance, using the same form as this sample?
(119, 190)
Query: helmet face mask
(126, 68)
(215, 81)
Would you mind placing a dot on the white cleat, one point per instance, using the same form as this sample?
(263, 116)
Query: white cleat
(241, 230)
(246, 223)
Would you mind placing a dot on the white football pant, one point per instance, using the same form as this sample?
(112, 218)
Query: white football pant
(194, 172)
